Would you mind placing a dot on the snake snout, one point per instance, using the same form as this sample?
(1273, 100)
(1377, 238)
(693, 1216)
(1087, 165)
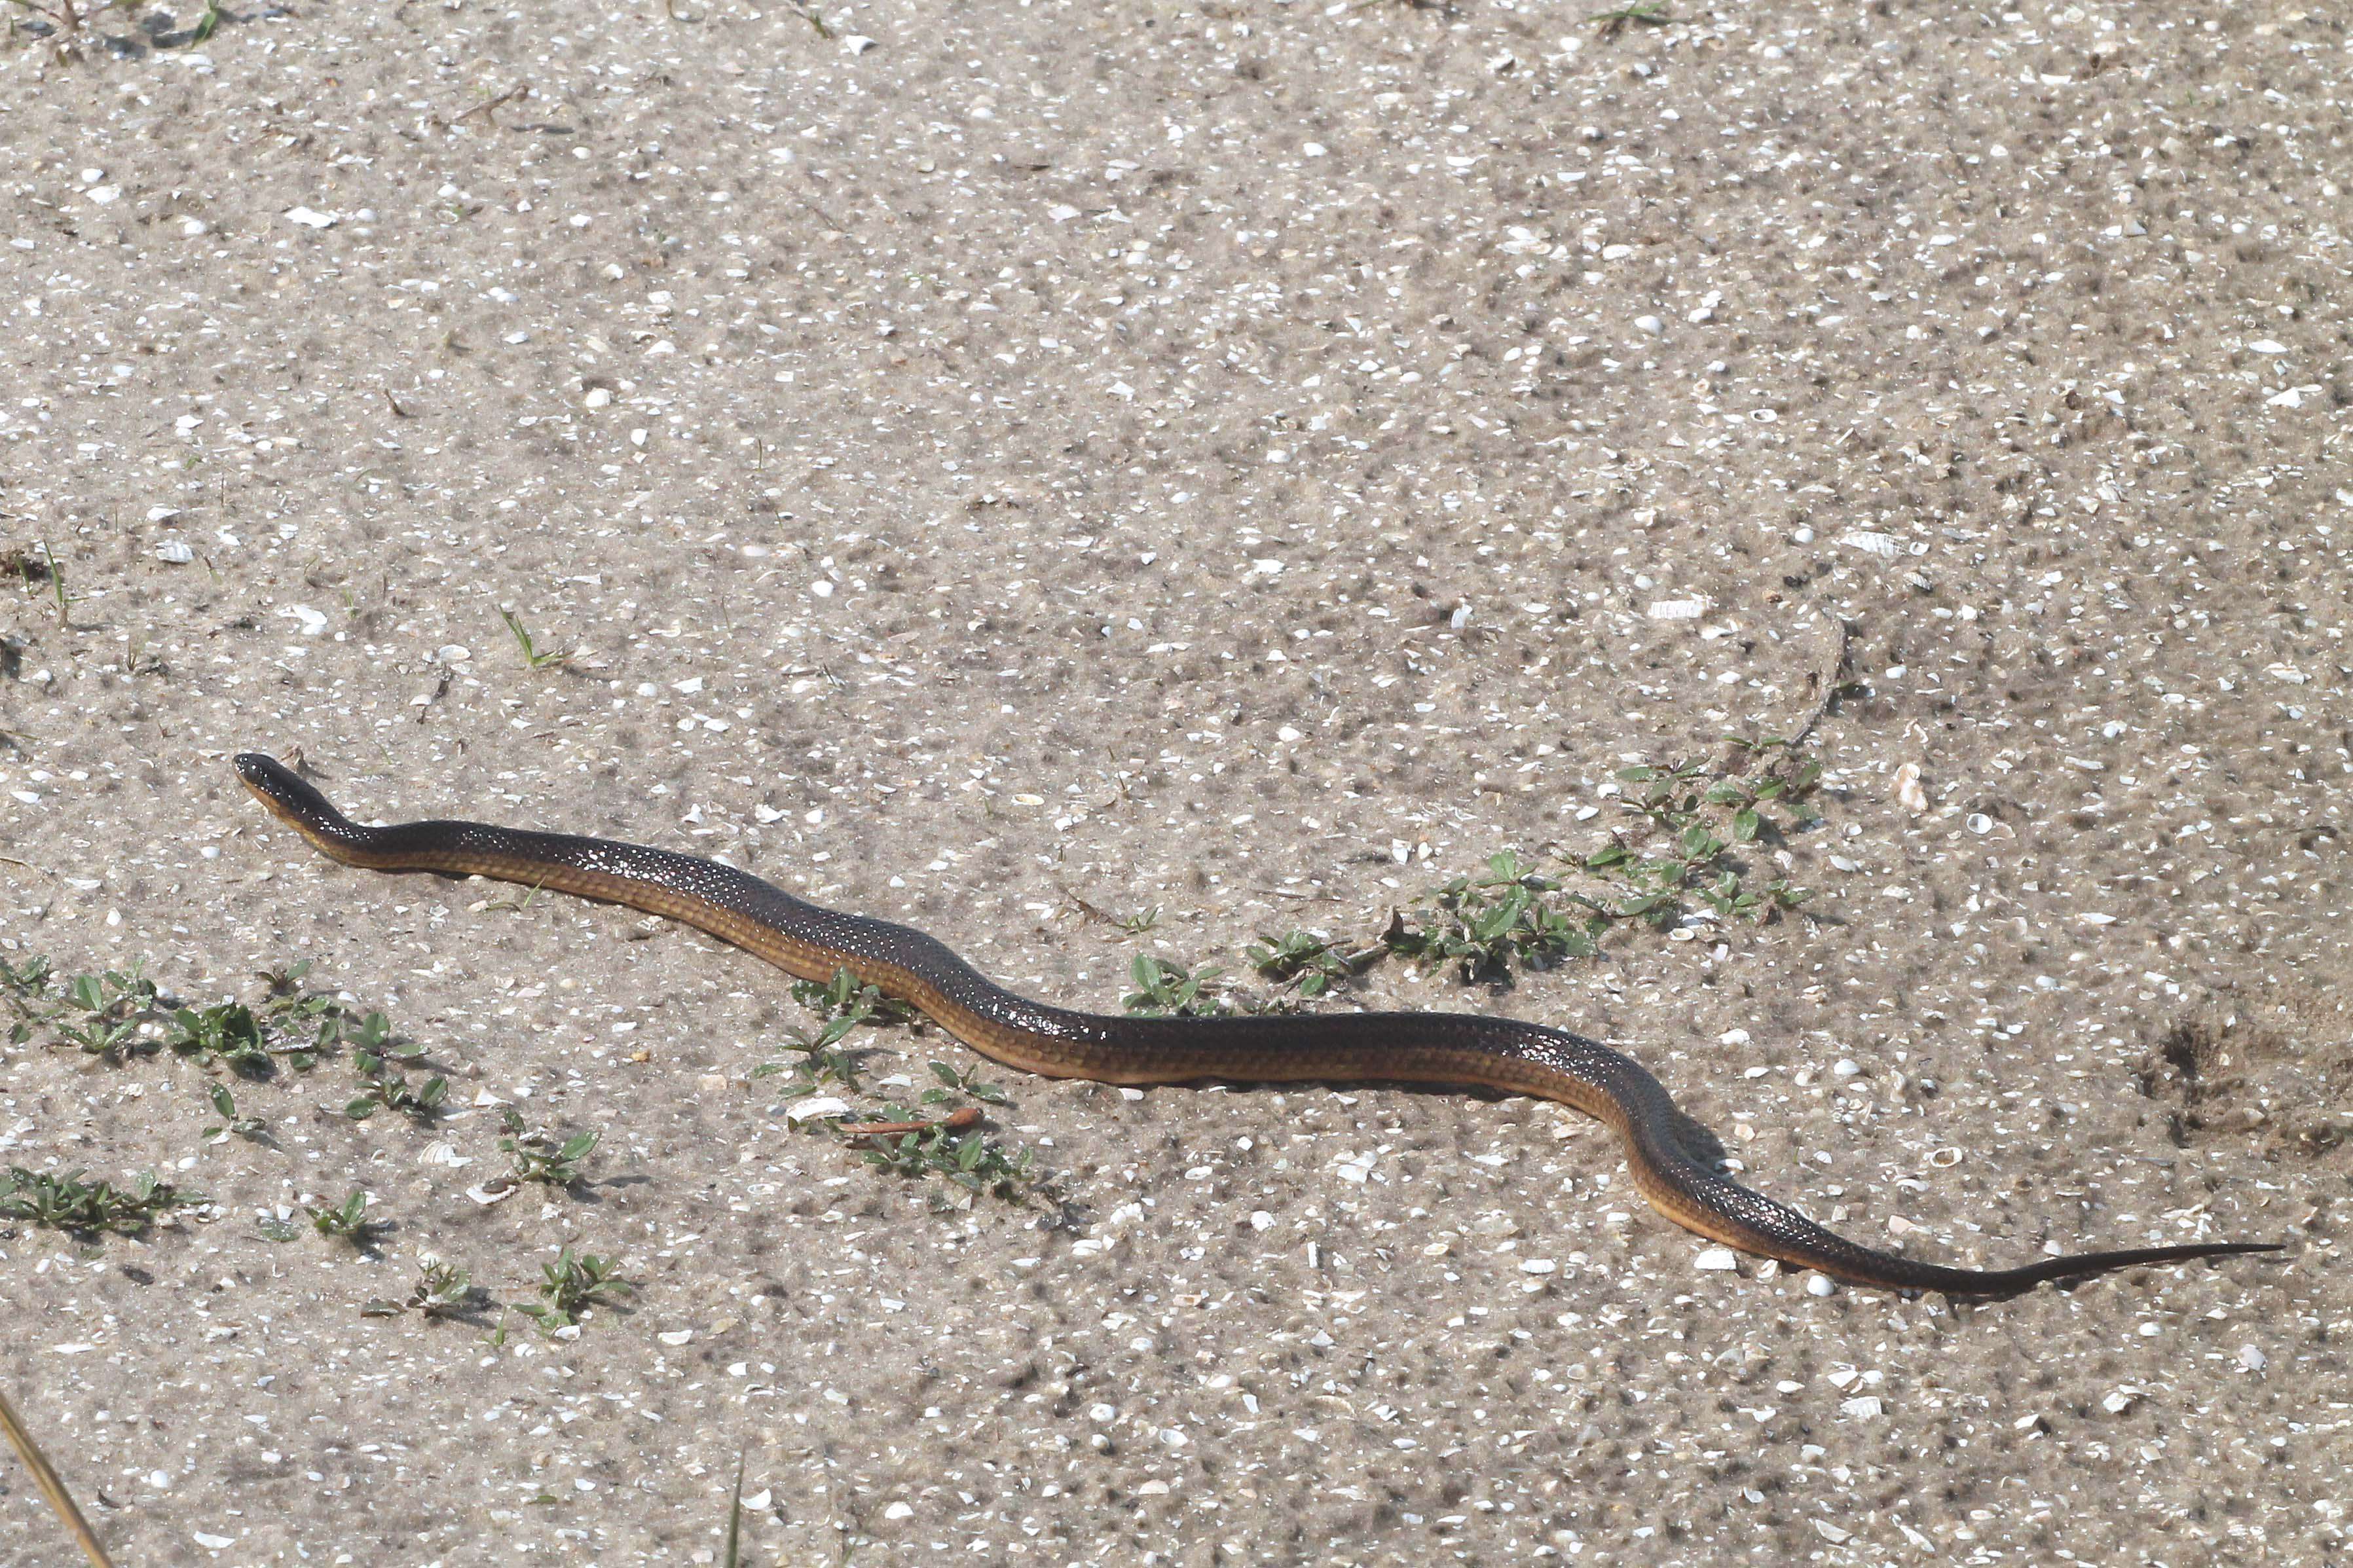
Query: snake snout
(286, 793)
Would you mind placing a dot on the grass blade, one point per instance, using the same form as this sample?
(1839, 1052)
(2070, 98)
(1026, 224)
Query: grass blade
(51, 1487)
(736, 1519)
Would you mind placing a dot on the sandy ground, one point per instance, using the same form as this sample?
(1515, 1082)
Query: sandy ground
(1201, 455)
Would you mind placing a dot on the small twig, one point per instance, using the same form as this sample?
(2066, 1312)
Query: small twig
(517, 91)
(959, 1121)
(1084, 908)
(51, 1487)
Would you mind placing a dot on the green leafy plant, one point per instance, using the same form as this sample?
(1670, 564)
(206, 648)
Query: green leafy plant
(569, 1286)
(971, 1160)
(539, 1156)
(442, 1290)
(103, 1013)
(1169, 989)
(1648, 13)
(251, 1128)
(87, 1208)
(1697, 821)
(844, 1003)
(953, 1083)
(289, 1013)
(1306, 961)
(1487, 923)
(345, 1221)
(845, 999)
(228, 1032)
(534, 656)
(24, 987)
(384, 1087)
(120, 1012)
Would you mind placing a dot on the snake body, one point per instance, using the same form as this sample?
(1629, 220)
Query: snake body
(1435, 1049)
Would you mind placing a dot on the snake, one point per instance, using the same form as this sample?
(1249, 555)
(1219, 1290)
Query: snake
(1429, 1049)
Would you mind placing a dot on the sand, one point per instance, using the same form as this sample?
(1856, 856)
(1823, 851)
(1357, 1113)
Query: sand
(1255, 462)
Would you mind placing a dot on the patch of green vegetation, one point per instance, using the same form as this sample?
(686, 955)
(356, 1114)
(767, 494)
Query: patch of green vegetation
(384, 1087)
(533, 656)
(120, 1012)
(253, 1129)
(1306, 961)
(23, 986)
(973, 1161)
(1698, 820)
(228, 1032)
(844, 1003)
(58, 585)
(1698, 824)
(569, 1286)
(1489, 923)
(945, 1146)
(539, 1156)
(1170, 989)
(346, 1221)
(954, 1084)
(103, 1014)
(442, 1290)
(87, 1208)
(733, 1556)
(1648, 13)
